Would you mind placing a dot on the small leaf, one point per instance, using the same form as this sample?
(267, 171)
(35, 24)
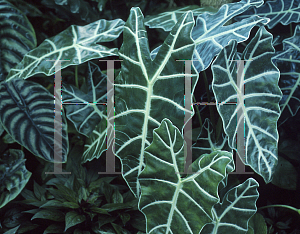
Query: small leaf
(71, 205)
(73, 218)
(125, 217)
(117, 197)
(39, 191)
(12, 231)
(54, 215)
(54, 228)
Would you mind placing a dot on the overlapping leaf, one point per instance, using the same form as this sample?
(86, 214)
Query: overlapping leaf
(278, 11)
(167, 20)
(26, 112)
(17, 37)
(288, 63)
(260, 111)
(86, 110)
(233, 214)
(146, 90)
(76, 45)
(206, 142)
(14, 175)
(211, 35)
(175, 204)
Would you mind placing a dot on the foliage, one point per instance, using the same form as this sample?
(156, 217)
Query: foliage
(156, 191)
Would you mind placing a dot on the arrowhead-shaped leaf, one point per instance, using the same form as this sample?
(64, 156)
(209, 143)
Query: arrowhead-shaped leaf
(260, 111)
(146, 90)
(171, 203)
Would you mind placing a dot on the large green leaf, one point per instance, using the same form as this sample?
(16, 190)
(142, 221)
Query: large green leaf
(148, 90)
(288, 63)
(26, 112)
(175, 204)
(279, 11)
(76, 44)
(233, 214)
(211, 34)
(258, 105)
(17, 37)
(13, 175)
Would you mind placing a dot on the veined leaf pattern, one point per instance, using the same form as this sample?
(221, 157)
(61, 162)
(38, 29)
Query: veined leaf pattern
(174, 204)
(233, 214)
(278, 11)
(86, 115)
(262, 95)
(77, 44)
(167, 20)
(211, 34)
(288, 63)
(146, 90)
(26, 112)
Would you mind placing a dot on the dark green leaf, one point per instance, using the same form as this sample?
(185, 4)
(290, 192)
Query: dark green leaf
(13, 175)
(73, 218)
(54, 215)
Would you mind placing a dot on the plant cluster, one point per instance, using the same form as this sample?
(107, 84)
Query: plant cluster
(194, 54)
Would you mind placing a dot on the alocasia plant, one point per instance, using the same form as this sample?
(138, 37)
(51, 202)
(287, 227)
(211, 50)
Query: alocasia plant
(149, 109)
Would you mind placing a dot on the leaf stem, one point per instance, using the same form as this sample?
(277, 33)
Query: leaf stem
(198, 113)
(284, 206)
(76, 76)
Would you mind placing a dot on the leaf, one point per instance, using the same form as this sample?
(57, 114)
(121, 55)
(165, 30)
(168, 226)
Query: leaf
(285, 175)
(7, 139)
(258, 105)
(17, 37)
(13, 175)
(167, 20)
(211, 36)
(86, 116)
(206, 142)
(54, 228)
(76, 44)
(146, 90)
(257, 225)
(288, 63)
(283, 11)
(119, 206)
(240, 202)
(73, 218)
(54, 215)
(39, 191)
(117, 197)
(26, 112)
(97, 143)
(175, 204)
(70, 9)
(12, 231)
